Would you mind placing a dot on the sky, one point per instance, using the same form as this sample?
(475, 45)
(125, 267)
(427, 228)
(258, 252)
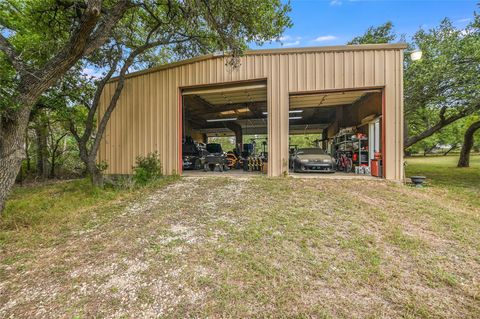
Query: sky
(334, 22)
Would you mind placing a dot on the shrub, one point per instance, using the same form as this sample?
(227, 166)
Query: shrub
(147, 168)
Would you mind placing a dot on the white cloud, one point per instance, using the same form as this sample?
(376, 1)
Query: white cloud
(335, 2)
(290, 44)
(289, 38)
(92, 72)
(466, 32)
(465, 20)
(324, 38)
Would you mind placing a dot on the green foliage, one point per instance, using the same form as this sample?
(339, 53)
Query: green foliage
(443, 86)
(445, 82)
(147, 168)
(154, 32)
(374, 35)
(305, 140)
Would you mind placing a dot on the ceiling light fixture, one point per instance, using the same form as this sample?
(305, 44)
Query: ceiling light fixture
(292, 111)
(222, 120)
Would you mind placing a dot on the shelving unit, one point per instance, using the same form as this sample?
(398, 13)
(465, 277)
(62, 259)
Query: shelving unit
(352, 147)
(361, 152)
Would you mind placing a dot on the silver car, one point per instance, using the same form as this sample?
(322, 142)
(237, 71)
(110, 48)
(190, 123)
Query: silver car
(313, 160)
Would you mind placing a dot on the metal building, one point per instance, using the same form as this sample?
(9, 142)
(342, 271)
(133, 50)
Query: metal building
(360, 82)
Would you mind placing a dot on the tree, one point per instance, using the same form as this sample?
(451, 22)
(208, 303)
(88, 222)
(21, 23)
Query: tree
(375, 35)
(39, 42)
(175, 30)
(464, 160)
(443, 87)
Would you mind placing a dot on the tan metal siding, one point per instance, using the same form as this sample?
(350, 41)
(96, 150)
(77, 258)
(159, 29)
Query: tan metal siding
(147, 116)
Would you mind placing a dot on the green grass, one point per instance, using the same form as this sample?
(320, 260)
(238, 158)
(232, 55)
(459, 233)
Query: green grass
(442, 171)
(43, 214)
(259, 247)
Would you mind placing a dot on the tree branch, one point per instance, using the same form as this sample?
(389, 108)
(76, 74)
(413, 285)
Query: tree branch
(11, 54)
(102, 33)
(96, 100)
(439, 125)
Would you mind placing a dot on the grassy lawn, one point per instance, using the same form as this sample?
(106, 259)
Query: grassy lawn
(225, 247)
(442, 172)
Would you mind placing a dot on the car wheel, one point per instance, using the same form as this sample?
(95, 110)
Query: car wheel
(198, 164)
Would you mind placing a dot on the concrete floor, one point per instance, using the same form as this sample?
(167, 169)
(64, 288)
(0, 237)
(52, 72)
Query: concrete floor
(242, 173)
(229, 173)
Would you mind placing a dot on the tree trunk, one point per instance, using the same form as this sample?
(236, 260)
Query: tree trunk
(27, 145)
(52, 164)
(42, 148)
(464, 160)
(12, 151)
(94, 172)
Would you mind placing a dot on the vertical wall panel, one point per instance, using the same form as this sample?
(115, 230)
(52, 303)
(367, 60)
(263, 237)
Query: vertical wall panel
(379, 68)
(339, 73)
(319, 71)
(329, 70)
(292, 72)
(369, 61)
(301, 72)
(348, 70)
(310, 72)
(400, 109)
(390, 114)
(147, 115)
(164, 122)
(358, 69)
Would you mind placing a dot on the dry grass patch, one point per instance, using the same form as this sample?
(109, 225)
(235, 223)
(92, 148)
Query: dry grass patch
(262, 248)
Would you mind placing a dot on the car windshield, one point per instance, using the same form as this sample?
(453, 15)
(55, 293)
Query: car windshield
(214, 148)
(190, 149)
(304, 151)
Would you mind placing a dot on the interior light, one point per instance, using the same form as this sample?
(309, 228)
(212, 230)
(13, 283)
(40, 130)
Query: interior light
(222, 120)
(292, 111)
(295, 118)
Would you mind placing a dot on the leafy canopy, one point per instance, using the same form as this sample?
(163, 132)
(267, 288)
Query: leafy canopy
(375, 35)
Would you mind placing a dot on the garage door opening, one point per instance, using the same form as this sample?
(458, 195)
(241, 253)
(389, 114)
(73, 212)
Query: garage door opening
(224, 129)
(337, 133)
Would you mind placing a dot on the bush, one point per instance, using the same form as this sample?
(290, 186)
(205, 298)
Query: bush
(147, 168)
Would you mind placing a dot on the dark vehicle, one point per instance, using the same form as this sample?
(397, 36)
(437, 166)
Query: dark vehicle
(193, 156)
(215, 158)
(313, 160)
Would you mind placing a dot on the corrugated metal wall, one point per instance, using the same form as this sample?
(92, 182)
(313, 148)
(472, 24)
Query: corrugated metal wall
(147, 117)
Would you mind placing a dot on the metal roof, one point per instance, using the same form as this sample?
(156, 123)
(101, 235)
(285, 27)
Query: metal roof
(336, 48)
